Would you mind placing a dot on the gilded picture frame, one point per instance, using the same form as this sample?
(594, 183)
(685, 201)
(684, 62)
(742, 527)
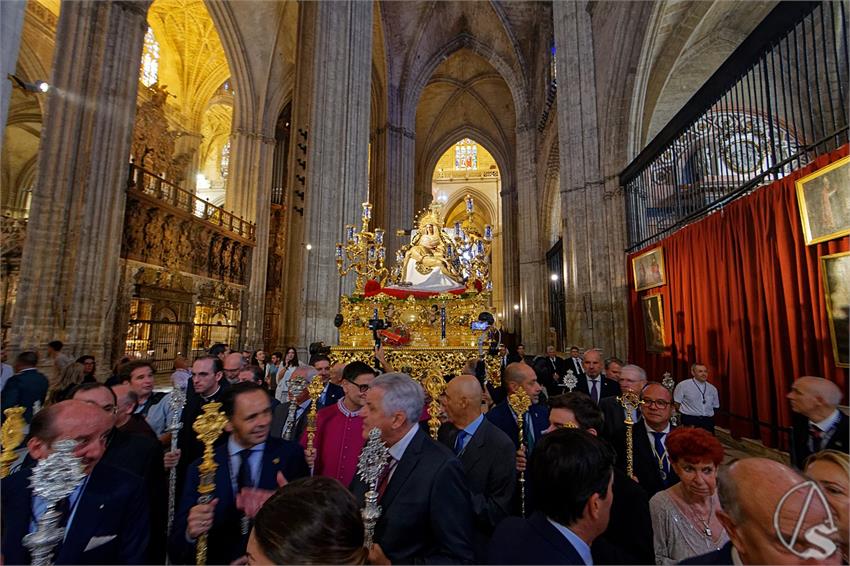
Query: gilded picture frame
(648, 269)
(836, 283)
(824, 201)
(652, 308)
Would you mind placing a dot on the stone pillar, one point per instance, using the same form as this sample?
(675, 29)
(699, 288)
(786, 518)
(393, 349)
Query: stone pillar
(11, 27)
(249, 195)
(400, 151)
(532, 286)
(337, 155)
(590, 298)
(511, 258)
(71, 260)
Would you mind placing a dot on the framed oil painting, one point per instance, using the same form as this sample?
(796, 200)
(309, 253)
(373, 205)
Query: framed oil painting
(649, 269)
(653, 323)
(824, 199)
(836, 282)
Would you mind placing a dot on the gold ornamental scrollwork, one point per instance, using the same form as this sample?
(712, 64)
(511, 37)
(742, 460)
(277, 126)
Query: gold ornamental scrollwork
(419, 363)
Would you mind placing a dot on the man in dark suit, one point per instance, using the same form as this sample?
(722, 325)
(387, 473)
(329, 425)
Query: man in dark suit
(138, 454)
(536, 420)
(574, 362)
(818, 424)
(761, 515)
(27, 386)
(574, 469)
(550, 369)
(302, 402)
(332, 378)
(206, 386)
(427, 514)
(628, 538)
(487, 456)
(652, 467)
(632, 378)
(593, 382)
(251, 466)
(108, 520)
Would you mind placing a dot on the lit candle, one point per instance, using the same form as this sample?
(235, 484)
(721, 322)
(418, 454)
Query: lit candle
(379, 236)
(367, 210)
(480, 246)
(349, 232)
(469, 204)
(457, 229)
(488, 232)
(339, 251)
(371, 253)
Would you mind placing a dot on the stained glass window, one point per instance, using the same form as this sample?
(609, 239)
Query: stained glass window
(150, 60)
(225, 159)
(466, 154)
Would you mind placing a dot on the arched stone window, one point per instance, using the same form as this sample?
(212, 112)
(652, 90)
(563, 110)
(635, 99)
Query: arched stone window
(149, 71)
(466, 154)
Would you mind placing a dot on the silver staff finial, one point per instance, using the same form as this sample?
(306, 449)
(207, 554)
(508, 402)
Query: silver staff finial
(370, 468)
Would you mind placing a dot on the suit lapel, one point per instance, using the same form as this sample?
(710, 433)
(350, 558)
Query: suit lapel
(269, 469)
(86, 517)
(474, 448)
(406, 465)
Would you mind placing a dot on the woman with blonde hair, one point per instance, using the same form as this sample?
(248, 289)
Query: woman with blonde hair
(71, 376)
(831, 469)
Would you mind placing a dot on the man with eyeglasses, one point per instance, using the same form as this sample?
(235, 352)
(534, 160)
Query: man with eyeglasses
(339, 428)
(136, 453)
(105, 518)
(652, 467)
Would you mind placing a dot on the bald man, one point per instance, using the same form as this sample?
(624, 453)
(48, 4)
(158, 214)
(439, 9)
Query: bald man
(126, 417)
(107, 521)
(818, 424)
(593, 382)
(765, 526)
(233, 364)
(487, 456)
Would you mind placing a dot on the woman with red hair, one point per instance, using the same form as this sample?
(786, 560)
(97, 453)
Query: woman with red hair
(684, 521)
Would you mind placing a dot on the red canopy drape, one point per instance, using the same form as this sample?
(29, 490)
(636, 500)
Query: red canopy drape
(744, 296)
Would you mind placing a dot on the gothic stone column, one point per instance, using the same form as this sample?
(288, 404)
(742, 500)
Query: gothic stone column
(590, 298)
(249, 196)
(531, 265)
(70, 266)
(337, 155)
(11, 28)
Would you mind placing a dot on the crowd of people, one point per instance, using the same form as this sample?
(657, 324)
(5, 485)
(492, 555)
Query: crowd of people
(574, 484)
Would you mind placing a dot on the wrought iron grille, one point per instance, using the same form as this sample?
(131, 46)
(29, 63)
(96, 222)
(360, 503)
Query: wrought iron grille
(777, 102)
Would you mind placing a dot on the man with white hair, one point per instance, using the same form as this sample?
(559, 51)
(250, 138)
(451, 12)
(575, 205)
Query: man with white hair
(818, 423)
(426, 511)
(632, 378)
(302, 401)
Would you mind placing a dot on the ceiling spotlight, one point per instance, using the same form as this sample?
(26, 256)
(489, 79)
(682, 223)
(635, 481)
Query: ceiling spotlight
(516, 307)
(36, 87)
(554, 277)
(309, 247)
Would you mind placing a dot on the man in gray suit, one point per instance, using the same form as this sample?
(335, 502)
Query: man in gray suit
(280, 415)
(487, 456)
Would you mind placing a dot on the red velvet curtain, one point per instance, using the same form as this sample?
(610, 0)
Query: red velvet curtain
(744, 296)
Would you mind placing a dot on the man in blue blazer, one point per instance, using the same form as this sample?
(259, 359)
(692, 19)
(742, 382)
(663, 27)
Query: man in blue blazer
(516, 376)
(251, 466)
(27, 386)
(575, 471)
(108, 520)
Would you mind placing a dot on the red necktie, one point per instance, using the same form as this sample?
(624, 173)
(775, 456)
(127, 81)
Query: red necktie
(385, 478)
(817, 435)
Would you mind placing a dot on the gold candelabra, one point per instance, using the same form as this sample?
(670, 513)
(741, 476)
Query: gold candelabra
(208, 427)
(364, 251)
(315, 391)
(11, 436)
(434, 386)
(630, 401)
(520, 403)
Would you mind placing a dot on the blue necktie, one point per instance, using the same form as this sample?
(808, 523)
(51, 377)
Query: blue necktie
(461, 436)
(594, 393)
(661, 454)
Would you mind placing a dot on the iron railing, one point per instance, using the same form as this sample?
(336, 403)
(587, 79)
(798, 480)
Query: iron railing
(151, 184)
(776, 103)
